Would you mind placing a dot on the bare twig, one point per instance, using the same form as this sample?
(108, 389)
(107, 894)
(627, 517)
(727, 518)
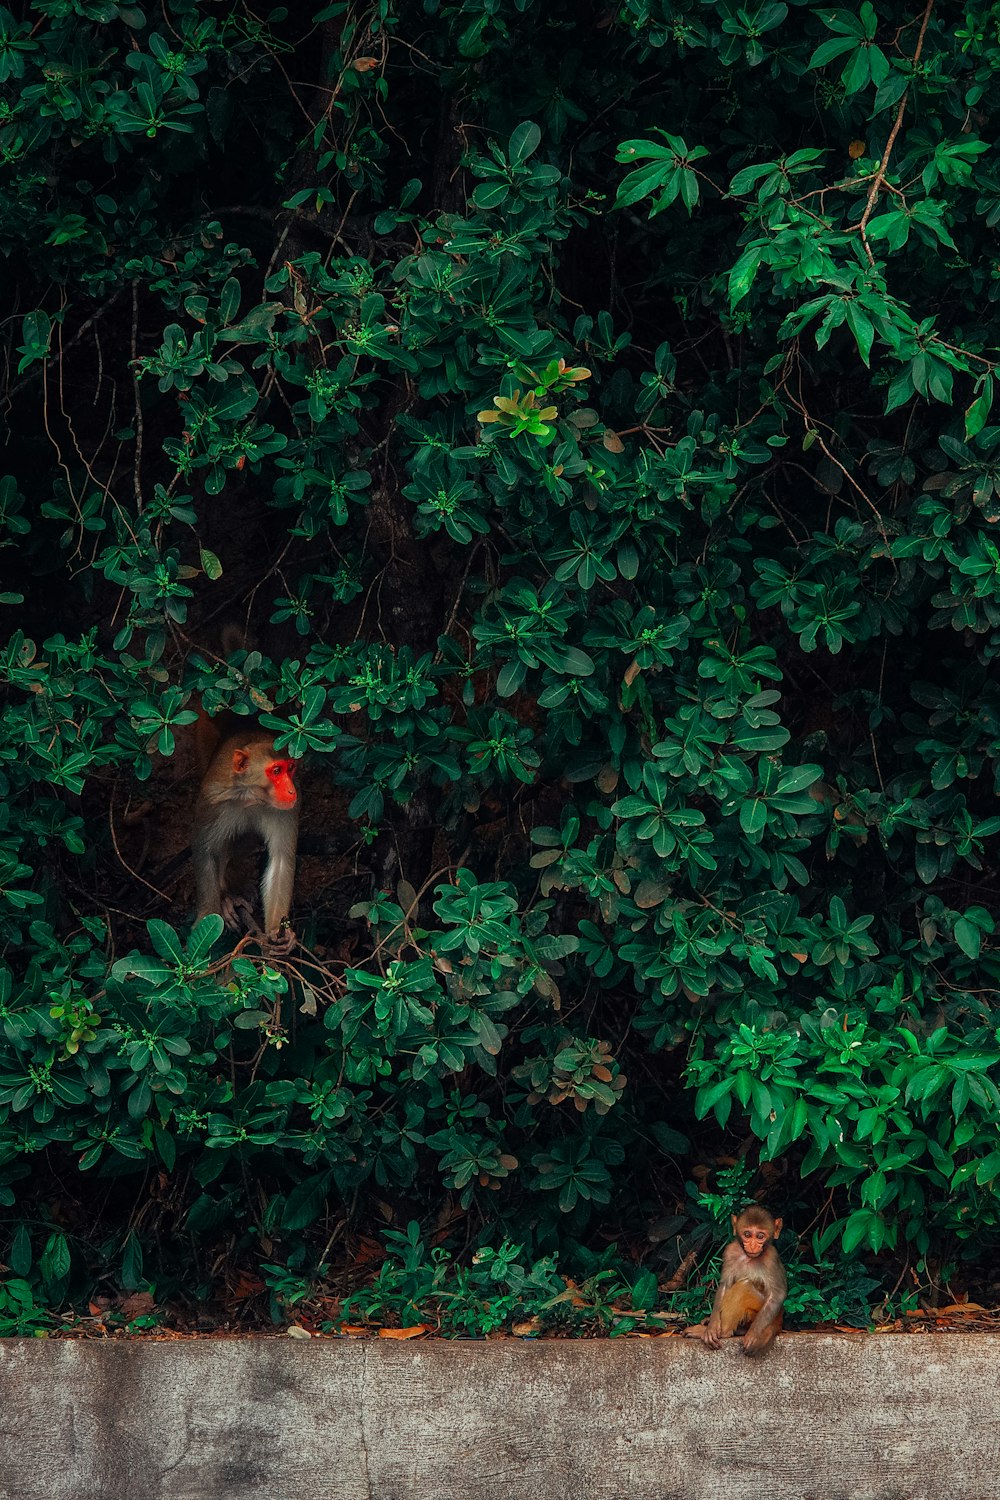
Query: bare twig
(879, 178)
(133, 365)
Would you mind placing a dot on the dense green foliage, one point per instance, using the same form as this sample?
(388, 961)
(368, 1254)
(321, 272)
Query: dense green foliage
(587, 413)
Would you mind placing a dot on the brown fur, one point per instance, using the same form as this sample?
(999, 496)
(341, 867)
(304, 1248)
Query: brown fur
(752, 1285)
(240, 802)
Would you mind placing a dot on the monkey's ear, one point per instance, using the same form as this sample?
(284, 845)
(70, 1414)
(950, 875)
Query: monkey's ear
(241, 759)
(734, 1218)
(777, 1227)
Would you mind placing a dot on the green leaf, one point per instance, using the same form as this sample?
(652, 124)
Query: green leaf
(523, 143)
(305, 1202)
(165, 940)
(132, 1263)
(968, 937)
(862, 328)
(510, 678)
(19, 1255)
(977, 414)
(798, 778)
(753, 818)
(828, 51)
(229, 300)
(743, 273)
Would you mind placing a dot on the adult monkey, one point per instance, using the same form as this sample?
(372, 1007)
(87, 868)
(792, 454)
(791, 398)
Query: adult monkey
(247, 793)
(752, 1285)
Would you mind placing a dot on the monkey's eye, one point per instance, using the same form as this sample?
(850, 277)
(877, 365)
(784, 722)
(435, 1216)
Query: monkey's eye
(279, 768)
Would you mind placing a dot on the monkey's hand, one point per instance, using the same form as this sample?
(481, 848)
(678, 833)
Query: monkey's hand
(237, 913)
(756, 1340)
(705, 1332)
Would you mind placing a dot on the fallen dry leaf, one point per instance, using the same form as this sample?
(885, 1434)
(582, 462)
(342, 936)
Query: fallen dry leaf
(247, 1285)
(367, 1250)
(404, 1333)
(136, 1305)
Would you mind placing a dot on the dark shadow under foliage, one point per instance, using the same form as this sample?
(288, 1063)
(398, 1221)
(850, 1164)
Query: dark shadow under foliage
(580, 417)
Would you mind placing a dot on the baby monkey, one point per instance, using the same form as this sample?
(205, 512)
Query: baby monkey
(752, 1286)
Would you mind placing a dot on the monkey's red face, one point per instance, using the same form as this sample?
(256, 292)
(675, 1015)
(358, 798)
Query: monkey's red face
(754, 1240)
(280, 773)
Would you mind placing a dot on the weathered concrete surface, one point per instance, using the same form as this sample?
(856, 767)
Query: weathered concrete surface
(823, 1417)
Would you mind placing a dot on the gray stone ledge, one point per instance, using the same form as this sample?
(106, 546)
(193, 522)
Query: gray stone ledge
(822, 1417)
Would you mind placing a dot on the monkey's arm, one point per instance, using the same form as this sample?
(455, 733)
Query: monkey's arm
(764, 1327)
(767, 1322)
(710, 1333)
(713, 1328)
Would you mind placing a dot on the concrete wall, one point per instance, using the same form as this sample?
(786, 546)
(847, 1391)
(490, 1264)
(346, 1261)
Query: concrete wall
(822, 1417)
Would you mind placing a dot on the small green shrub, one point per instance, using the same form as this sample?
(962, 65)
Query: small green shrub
(591, 419)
